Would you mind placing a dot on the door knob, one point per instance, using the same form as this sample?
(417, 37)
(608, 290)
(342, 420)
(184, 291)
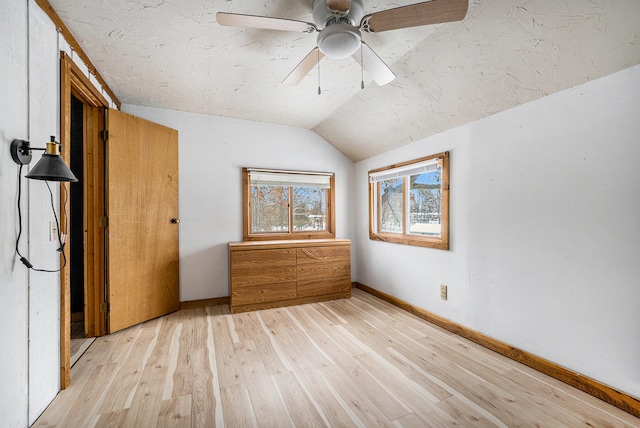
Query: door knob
(175, 220)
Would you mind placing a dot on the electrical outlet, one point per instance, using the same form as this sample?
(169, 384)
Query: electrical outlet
(443, 292)
(53, 231)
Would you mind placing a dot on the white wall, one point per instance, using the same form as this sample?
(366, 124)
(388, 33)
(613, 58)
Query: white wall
(545, 230)
(44, 288)
(29, 301)
(14, 278)
(212, 152)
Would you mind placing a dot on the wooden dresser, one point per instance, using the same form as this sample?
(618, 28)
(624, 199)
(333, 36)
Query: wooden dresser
(269, 274)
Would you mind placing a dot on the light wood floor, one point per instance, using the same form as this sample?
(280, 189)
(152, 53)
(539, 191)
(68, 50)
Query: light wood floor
(79, 343)
(79, 347)
(358, 362)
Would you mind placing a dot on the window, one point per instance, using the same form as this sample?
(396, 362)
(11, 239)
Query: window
(409, 202)
(287, 204)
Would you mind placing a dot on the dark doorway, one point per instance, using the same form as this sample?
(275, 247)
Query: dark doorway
(76, 215)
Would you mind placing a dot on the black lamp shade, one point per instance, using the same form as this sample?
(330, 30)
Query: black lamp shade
(51, 168)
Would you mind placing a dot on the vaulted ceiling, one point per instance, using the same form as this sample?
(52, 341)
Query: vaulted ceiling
(172, 54)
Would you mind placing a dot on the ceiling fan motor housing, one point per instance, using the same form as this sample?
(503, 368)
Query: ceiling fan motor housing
(339, 35)
(322, 16)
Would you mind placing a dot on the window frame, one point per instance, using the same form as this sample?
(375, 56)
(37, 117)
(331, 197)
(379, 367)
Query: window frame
(441, 242)
(249, 235)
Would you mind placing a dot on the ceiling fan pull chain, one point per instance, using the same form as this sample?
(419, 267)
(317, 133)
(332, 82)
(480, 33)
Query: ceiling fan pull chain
(319, 90)
(361, 68)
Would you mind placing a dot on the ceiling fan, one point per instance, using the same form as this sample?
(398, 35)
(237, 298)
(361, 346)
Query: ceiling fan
(339, 24)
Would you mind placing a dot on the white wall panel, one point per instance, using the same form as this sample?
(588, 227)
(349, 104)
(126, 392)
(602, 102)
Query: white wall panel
(44, 288)
(13, 275)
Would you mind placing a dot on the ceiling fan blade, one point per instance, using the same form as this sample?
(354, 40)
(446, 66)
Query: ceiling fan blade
(373, 65)
(425, 13)
(305, 66)
(252, 21)
(339, 5)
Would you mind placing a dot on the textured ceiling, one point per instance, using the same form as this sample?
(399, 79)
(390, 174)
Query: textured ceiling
(172, 54)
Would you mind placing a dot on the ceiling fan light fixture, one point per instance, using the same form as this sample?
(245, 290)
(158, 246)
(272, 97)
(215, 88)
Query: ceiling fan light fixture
(339, 40)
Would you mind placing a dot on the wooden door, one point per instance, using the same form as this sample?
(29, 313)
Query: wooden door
(142, 228)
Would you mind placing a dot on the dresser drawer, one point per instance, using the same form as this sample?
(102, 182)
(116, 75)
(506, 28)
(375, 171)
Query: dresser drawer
(323, 262)
(322, 287)
(257, 294)
(262, 267)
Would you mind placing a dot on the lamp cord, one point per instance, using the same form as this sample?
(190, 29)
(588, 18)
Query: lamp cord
(23, 259)
(19, 210)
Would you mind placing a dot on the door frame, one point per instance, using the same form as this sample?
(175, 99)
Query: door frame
(74, 81)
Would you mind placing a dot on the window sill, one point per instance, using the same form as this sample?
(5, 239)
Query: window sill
(435, 243)
(289, 236)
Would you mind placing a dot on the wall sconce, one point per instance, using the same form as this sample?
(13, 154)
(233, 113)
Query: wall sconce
(50, 167)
